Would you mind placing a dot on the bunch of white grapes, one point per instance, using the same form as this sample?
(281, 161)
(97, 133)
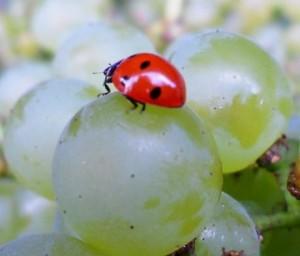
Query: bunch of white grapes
(132, 183)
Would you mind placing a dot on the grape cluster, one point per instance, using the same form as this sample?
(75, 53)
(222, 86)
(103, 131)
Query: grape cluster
(131, 183)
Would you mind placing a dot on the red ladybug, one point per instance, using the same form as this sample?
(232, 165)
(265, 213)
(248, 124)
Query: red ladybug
(147, 78)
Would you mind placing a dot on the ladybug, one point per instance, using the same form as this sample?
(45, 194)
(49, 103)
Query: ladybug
(147, 78)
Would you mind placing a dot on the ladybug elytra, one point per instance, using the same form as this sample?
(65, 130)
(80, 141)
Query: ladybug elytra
(147, 78)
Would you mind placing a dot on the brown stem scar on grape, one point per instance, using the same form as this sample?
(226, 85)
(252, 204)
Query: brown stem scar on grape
(293, 183)
(232, 253)
(274, 153)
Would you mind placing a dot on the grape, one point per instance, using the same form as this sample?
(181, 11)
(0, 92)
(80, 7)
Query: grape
(38, 211)
(10, 223)
(23, 212)
(34, 127)
(143, 13)
(292, 9)
(132, 183)
(1, 137)
(6, 51)
(62, 226)
(238, 89)
(47, 245)
(230, 228)
(281, 241)
(17, 80)
(266, 38)
(18, 11)
(54, 19)
(252, 14)
(200, 13)
(293, 131)
(92, 47)
(292, 39)
(263, 197)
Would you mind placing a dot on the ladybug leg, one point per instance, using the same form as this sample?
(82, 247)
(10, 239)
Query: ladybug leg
(108, 73)
(143, 107)
(105, 84)
(133, 102)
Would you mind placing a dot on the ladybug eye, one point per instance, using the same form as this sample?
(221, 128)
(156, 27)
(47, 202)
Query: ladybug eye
(155, 93)
(145, 64)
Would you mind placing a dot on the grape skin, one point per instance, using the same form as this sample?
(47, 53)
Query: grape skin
(128, 182)
(93, 46)
(17, 80)
(23, 212)
(230, 228)
(33, 129)
(47, 244)
(238, 89)
(53, 20)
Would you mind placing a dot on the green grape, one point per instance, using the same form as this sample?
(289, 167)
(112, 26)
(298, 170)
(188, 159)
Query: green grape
(47, 245)
(200, 13)
(92, 47)
(230, 228)
(266, 36)
(262, 197)
(17, 80)
(23, 212)
(281, 241)
(291, 8)
(252, 14)
(292, 38)
(1, 136)
(53, 20)
(293, 131)
(132, 183)
(6, 49)
(144, 13)
(38, 211)
(11, 223)
(62, 226)
(34, 126)
(238, 89)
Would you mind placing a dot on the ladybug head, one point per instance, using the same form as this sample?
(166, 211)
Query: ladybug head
(108, 72)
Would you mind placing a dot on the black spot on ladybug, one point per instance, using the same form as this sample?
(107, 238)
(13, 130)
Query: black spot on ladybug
(155, 93)
(125, 77)
(122, 83)
(145, 64)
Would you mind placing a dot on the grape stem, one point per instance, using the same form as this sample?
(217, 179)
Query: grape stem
(292, 203)
(282, 219)
(278, 220)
